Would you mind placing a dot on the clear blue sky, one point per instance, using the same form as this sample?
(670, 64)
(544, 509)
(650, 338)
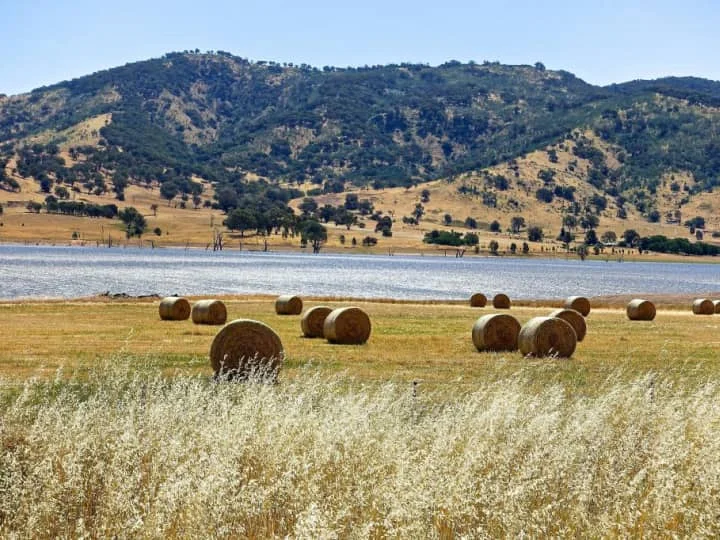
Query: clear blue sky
(46, 41)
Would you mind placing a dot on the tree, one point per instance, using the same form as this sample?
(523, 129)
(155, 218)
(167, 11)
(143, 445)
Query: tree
(419, 211)
(570, 222)
(425, 196)
(471, 223)
(326, 213)
(513, 248)
(314, 232)
(494, 246)
(241, 219)
(535, 234)
(154, 209)
(345, 217)
(631, 237)
(384, 225)
(608, 237)
(547, 176)
(447, 219)
(495, 226)
(351, 201)
(134, 221)
(591, 237)
(168, 190)
(544, 195)
(525, 248)
(472, 239)
(589, 222)
(308, 206)
(517, 223)
(33, 206)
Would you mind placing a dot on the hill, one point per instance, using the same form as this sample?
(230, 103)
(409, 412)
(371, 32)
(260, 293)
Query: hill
(214, 132)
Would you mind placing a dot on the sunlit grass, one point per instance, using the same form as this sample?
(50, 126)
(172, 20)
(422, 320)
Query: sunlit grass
(125, 450)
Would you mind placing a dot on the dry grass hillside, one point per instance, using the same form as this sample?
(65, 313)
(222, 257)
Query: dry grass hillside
(476, 195)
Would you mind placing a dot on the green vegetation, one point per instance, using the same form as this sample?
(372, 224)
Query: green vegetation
(186, 119)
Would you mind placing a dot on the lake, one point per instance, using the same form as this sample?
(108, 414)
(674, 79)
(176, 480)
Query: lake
(69, 272)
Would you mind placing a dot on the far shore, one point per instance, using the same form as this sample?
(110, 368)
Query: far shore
(449, 251)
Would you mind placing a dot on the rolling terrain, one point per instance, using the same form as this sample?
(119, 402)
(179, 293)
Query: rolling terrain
(188, 138)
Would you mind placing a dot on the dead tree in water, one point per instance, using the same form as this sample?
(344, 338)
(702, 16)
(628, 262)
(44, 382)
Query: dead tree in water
(217, 240)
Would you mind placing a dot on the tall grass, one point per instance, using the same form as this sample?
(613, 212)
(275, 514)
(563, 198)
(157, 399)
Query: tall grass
(138, 454)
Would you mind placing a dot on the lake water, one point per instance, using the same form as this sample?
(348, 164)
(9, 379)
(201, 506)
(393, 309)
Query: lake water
(44, 271)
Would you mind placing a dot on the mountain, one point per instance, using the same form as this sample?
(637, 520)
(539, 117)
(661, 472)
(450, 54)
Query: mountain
(255, 129)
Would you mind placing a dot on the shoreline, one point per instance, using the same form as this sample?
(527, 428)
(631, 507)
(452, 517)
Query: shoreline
(449, 252)
(616, 301)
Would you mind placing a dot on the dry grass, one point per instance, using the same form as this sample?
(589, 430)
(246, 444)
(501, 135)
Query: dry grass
(126, 453)
(409, 341)
(131, 437)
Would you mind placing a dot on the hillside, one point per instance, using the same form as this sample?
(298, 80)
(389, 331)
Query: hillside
(203, 134)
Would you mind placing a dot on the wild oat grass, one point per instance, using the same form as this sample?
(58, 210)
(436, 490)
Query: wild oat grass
(128, 452)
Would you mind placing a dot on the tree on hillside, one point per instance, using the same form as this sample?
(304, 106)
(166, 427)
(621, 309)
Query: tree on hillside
(241, 220)
(631, 237)
(447, 219)
(134, 221)
(517, 223)
(495, 226)
(535, 234)
(308, 206)
(168, 190)
(314, 232)
(471, 223)
(609, 237)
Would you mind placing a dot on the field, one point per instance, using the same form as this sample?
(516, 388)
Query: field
(112, 426)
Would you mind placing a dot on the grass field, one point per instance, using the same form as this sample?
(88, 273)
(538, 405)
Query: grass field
(409, 341)
(110, 425)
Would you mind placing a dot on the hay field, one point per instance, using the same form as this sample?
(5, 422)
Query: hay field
(131, 437)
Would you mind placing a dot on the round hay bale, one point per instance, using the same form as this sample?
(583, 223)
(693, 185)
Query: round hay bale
(579, 304)
(501, 301)
(347, 326)
(640, 310)
(245, 348)
(313, 320)
(478, 300)
(703, 306)
(547, 336)
(716, 303)
(288, 305)
(573, 318)
(174, 308)
(209, 312)
(496, 332)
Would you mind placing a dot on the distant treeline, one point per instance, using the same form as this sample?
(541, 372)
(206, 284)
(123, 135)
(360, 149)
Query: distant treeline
(73, 208)
(680, 246)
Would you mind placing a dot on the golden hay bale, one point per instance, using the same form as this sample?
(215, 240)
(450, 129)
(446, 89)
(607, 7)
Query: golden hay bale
(716, 303)
(313, 320)
(288, 305)
(496, 332)
(209, 312)
(579, 304)
(347, 326)
(703, 306)
(244, 348)
(640, 310)
(501, 301)
(174, 308)
(478, 300)
(547, 336)
(573, 318)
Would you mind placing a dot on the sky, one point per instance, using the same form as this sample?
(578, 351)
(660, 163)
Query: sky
(45, 41)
